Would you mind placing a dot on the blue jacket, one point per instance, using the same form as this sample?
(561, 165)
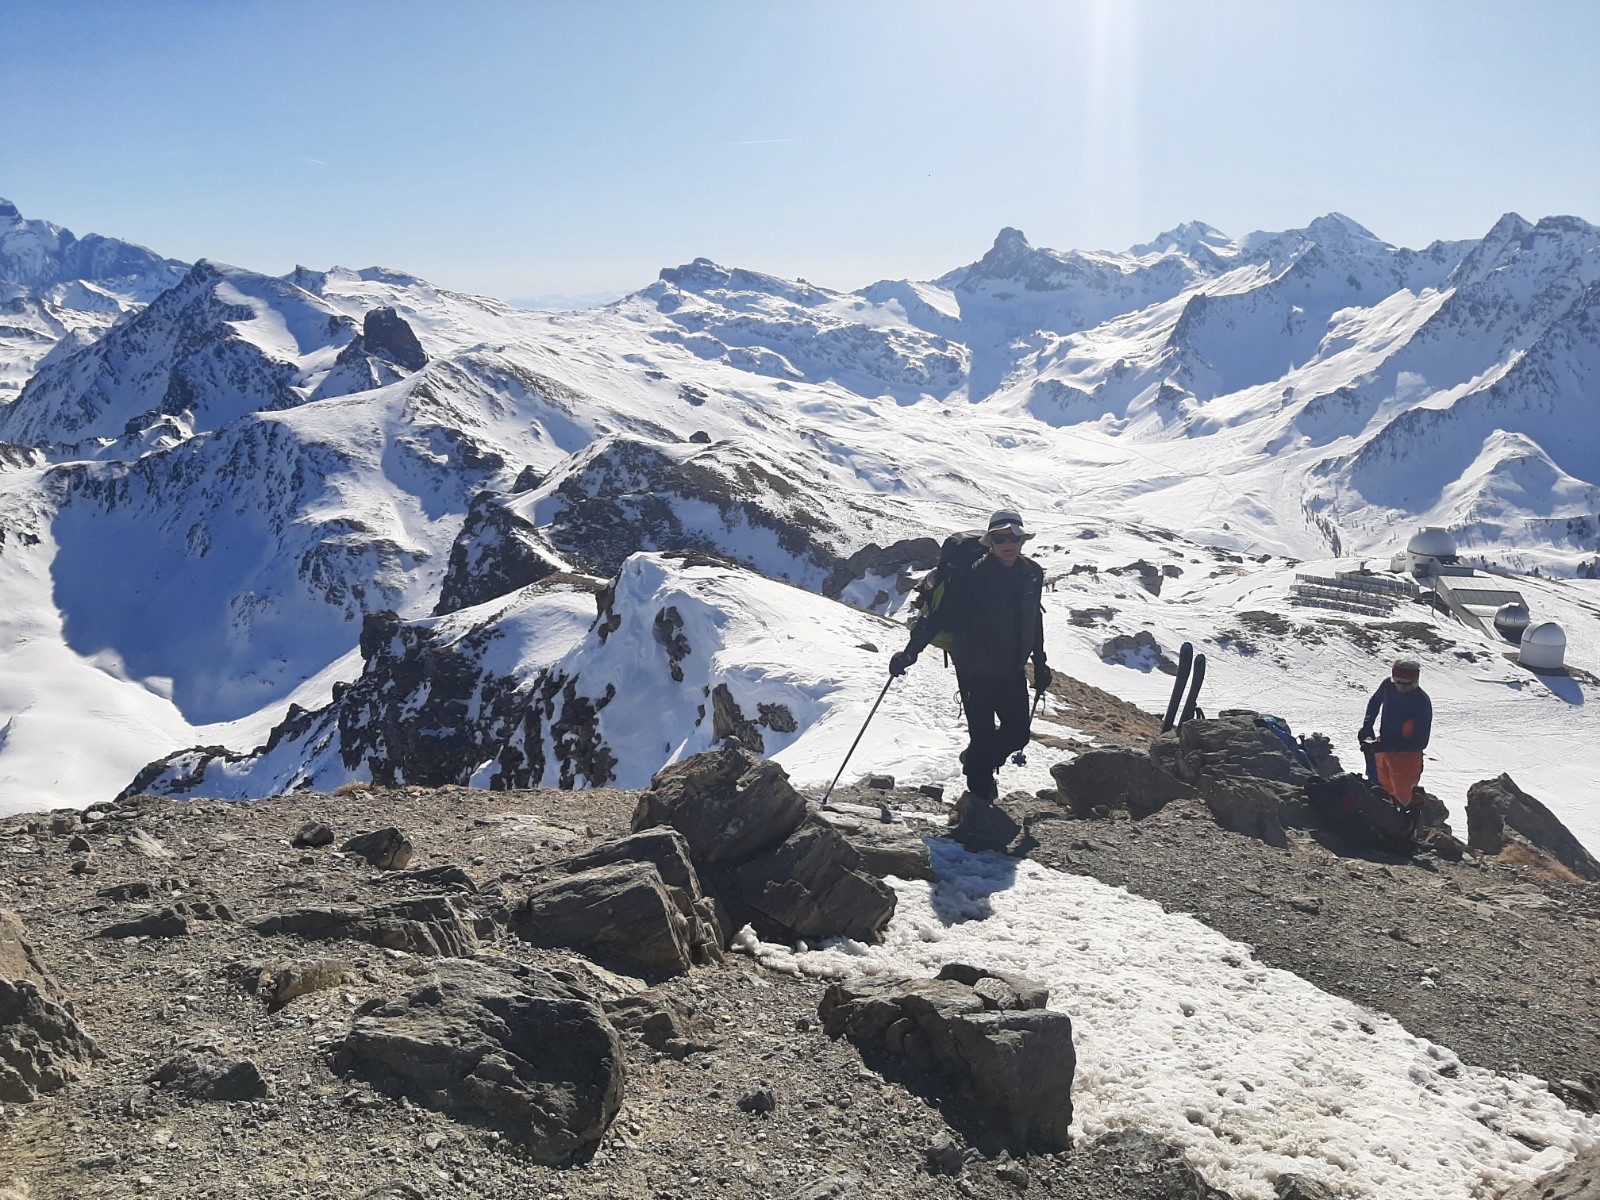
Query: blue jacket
(1407, 717)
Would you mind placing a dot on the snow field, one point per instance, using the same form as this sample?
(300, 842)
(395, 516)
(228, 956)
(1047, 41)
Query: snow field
(1253, 1072)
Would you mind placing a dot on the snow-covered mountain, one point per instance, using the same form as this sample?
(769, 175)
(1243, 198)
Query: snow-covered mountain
(58, 288)
(207, 510)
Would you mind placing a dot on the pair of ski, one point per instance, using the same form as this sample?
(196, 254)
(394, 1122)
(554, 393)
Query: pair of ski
(1191, 674)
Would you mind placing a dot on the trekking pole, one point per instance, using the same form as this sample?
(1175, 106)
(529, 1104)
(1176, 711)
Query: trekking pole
(857, 742)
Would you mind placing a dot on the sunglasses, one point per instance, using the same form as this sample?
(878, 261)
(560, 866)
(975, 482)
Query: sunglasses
(1003, 539)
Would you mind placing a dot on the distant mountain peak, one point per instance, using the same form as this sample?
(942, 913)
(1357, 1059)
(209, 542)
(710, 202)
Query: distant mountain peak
(1185, 238)
(1011, 238)
(1336, 228)
(8, 210)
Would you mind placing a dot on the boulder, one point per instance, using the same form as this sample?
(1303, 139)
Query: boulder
(886, 848)
(512, 1047)
(174, 920)
(663, 847)
(42, 1047)
(199, 1076)
(427, 925)
(386, 849)
(815, 885)
(1499, 812)
(727, 803)
(1252, 779)
(1008, 1067)
(1116, 779)
(311, 835)
(660, 1020)
(620, 911)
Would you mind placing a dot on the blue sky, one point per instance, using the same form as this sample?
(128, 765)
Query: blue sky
(525, 149)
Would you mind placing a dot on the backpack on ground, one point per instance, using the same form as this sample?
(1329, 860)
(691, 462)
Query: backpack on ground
(1352, 805)
(958, 553)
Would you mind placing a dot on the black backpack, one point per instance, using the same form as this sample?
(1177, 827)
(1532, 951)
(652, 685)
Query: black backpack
(959, 552)
(1352, 805)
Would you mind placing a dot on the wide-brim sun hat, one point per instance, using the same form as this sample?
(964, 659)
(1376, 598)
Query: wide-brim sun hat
(1006, 519)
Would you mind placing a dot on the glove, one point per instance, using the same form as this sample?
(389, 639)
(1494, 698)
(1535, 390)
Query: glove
(1042, 675)
(1366, 734)
(898, 663)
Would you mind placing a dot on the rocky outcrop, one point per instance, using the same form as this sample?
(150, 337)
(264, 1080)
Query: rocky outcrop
(886, 847)
(1249, 777)
(1139, 650)
(621, 912)
(815, 885)
(903, 562)
(496, 552)
(516, 1048)
(1500, 813)
(981, 1042)
(428, 925)
(726, 803)
(173, 920)
(754, 845)
(1578, 1180)
(387, 334)
(1100, 780)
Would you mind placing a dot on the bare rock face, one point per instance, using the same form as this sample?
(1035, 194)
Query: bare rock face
(427, 925)
(620, 911)
(893, 848)
(387, 334)
(814, 885)
(1499, 813)
(517, 1048)
(496, 552)
(1578, 1180)
(1249, 778)
(987, 1048)
(1116, 779)
(727, 803)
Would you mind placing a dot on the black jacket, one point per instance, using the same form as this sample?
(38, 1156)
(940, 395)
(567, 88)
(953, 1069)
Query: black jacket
(995, 615)
(1407, 717)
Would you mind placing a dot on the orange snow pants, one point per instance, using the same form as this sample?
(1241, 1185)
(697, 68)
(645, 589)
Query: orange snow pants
(1398, 772)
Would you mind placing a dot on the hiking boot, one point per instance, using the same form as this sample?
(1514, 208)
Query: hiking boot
(983, 788)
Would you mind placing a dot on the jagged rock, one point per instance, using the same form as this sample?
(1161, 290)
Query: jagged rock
(286, 982)
(428, 925)
(175, 920)
(728, 722)
(759, 1101)
(1149, 575)
(1116, 779)
(1012, 1067)
(727, 803)
(814, 885)
(660, 1020)
(619, 911)
(209, 1077)
(514, 1047)
(387, 334)
(1496, 806)
(905, 560)
(146, 844)
(893, 848)
(386, 849)
(999, 989)
(1249, 777)
(663, 847)
(944, 1155)
(42, 1047)
(497, 551)
(879, 783)
(311, 835)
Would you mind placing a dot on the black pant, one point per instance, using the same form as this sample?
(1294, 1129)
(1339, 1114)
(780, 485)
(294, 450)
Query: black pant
(987, 698)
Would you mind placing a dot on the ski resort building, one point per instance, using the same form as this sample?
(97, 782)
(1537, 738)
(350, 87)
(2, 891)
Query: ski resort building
(1432, 552)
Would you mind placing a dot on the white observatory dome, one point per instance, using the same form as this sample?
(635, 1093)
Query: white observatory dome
(1544, 647)
(1432, 542)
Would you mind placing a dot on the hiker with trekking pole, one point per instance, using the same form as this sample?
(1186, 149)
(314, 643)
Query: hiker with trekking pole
(984, 603)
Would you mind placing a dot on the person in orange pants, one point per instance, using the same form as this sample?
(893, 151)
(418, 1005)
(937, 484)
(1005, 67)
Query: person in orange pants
(1398, 726)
